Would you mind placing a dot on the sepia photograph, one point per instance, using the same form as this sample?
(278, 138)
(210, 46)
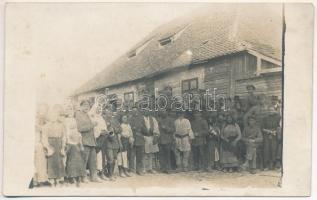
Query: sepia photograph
(135, 98)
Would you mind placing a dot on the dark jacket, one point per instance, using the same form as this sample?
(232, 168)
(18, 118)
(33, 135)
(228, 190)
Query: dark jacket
(86, 128)
(138, 128)
(200, 129)
(167, 129)
(112, 141)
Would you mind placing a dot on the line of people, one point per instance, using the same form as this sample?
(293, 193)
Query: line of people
(141, 142)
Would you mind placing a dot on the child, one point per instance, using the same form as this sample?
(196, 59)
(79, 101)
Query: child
(75, 168)
(54, 134)
(126, 141)
(252, 136)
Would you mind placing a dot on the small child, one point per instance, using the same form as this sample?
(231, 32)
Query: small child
(75, 169)
(252, 136)
(127, 140)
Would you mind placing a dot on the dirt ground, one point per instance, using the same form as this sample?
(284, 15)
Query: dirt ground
(197, 180)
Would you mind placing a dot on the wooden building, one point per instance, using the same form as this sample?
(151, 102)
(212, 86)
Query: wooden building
(223, 47)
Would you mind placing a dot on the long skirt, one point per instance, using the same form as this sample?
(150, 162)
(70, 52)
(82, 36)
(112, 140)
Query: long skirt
(75, 162)
(40, 163)
(55, 164)
(228, 156)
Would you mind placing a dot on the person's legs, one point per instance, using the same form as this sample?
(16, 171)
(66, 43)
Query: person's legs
(92, 164)
(195, 154)
(168, 151)
(178, 159)
(110, 161)
(201, 157)
(148, 159)
(86, 153)
(131, 158)
(185, 159)
(139, 158)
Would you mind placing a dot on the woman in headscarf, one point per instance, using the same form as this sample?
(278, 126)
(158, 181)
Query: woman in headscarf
(230, 135)
(54, 134)
(40, 161)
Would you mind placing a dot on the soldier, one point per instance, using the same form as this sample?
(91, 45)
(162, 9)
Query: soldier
(251, 99)
(270, 128)
(136, 154)
(167, 129)
(200, 130)
(112, 142)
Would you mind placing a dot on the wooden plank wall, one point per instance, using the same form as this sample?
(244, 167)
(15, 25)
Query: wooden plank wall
(270, 84)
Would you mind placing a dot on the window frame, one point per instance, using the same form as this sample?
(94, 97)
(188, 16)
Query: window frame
(128, 93)
(189, 84)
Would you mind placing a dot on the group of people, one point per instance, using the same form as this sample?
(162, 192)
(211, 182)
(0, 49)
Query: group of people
(75, 146)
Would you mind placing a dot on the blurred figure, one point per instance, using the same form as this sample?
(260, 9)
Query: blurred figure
(151, 136)
(40, 161)
(252, 137)
(212, 146)
(86, 127)
(167, 129)
(183, 135)
(270, 129)
(55, 136)
(137, 152)
(75, 169)
(200, 130)
(230, 135)
(126, 138)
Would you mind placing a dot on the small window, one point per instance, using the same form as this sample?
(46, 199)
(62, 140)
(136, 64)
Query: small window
(131, 54)
(165, 41)
(190, 84)
(129, 97)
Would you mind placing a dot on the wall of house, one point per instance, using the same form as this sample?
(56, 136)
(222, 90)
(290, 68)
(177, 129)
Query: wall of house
(268, 84)
(174, 79)
(222, 73)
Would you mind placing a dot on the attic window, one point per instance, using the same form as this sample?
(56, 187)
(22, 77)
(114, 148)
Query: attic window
(136, 51)
(172, 38)
(131, 54)
(165, 41)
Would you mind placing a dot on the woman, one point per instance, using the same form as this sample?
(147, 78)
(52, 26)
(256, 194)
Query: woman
(75, 168)
(54, 134)
(40, 161)
(230, 135)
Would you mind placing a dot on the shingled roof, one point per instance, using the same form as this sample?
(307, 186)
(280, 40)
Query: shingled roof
(212, 32)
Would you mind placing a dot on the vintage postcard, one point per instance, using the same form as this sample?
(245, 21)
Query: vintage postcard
(157, 99)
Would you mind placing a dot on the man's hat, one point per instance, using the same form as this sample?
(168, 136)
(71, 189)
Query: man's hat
(250, 87)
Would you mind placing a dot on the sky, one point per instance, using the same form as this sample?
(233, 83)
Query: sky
(64, 45)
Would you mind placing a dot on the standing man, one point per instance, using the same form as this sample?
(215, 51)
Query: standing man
(112, 142)
(86, 127)
(270, 129)
(167, 129)
(252, 99)
(137, 151)
(200, 129)
(151, 136)
(183, 135)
